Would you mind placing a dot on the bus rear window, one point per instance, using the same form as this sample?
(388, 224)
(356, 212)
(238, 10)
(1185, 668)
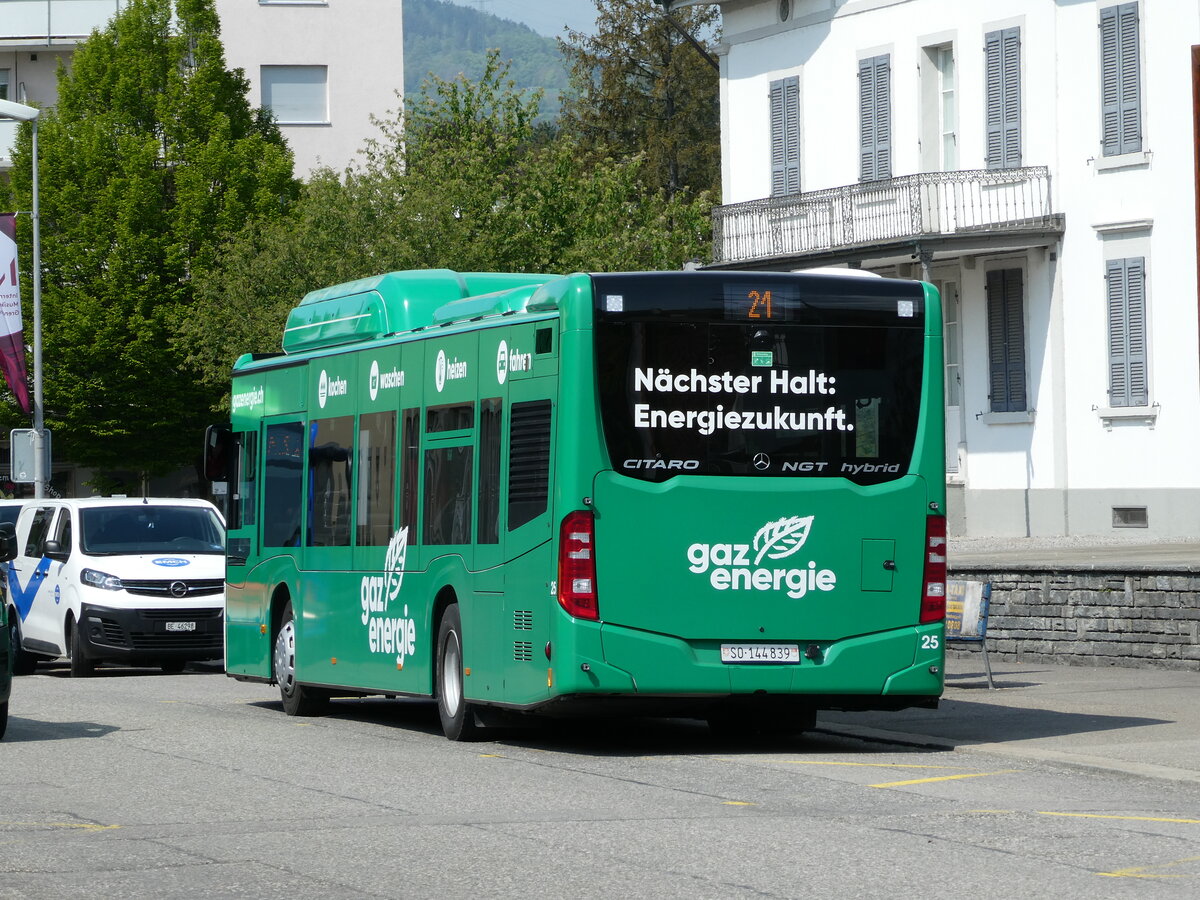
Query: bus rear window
(759, 375)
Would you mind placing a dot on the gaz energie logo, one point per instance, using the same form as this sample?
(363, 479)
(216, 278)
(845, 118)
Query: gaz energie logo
(388, 632)
(749, 567)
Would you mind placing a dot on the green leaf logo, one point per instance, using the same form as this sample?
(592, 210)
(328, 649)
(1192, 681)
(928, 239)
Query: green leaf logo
(782, 538)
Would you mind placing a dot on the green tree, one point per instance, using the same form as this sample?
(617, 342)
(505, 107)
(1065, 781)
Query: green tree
(465, 179)
(640, 86)
(150, 160)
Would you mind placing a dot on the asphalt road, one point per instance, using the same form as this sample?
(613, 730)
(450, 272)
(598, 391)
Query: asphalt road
(137, 784)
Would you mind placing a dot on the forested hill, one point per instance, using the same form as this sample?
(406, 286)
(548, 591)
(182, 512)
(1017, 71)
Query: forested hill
(447, 40)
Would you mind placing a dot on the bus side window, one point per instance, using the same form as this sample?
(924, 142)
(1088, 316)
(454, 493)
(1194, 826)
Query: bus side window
(528, 462)
(411, 450)
(283, 484)
(376, 477)
(490, 438)
(329, 457)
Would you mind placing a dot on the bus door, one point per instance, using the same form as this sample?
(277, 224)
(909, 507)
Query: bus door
(527, 528)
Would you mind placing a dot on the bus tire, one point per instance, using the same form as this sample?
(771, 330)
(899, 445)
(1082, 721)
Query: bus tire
(3, 718)
(23, 663)
(81, 666)
(298, 700)
(457, 715)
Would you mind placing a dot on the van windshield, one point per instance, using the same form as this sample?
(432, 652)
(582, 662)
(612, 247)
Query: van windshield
(125, 530)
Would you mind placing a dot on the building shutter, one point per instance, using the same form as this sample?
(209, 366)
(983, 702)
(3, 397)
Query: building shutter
(785, 137)
(1127, 363)
(1006, 339)
(1002, 50)
(875, 118)
(1120, 80)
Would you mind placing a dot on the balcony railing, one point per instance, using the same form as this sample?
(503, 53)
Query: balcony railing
(49, 22)
(941, 204)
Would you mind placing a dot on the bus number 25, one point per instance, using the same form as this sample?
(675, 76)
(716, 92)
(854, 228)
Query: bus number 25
(929, 642)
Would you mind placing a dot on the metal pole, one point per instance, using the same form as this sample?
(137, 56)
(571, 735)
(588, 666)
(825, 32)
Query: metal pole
(39, 441)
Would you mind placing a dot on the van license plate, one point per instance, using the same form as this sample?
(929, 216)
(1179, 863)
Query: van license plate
(181, 626)
(760, 653)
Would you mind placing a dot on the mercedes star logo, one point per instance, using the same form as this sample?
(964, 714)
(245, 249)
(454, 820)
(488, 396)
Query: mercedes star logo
(762, 461)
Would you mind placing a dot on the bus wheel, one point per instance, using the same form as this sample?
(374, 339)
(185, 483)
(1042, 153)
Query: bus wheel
(81, 666)
(23, 663)
(298, 700)
(3, 718)
(457, 715)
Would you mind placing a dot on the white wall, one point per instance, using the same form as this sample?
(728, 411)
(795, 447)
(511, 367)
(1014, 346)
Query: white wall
(360, 41)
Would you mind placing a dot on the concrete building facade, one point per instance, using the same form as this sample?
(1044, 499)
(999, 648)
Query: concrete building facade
(1037, 161)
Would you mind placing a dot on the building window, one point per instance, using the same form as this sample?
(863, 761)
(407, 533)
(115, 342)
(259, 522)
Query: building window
(947, 111)
(3, 84)
(785, 137)
(1120, 80)
(1006, 339)
(1003, 88)
(1126, 292)
(297, 95)
(875, 118)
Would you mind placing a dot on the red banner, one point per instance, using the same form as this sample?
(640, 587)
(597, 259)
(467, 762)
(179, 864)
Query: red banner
(12, 342)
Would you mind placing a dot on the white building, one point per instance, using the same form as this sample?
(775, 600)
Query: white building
(1035, 159)
(323, 66)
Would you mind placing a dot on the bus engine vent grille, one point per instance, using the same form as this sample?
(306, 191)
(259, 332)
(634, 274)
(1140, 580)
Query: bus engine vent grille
(523, 620)
(523, 651)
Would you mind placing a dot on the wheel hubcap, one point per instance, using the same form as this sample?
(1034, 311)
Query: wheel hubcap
(452, 674)
(285, 657)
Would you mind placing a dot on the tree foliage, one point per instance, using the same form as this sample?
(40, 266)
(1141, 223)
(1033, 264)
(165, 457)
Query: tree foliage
(462, 179)
(150, 160)
(639, 86)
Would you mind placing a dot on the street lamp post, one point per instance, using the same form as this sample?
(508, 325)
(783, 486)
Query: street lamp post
(23, 113)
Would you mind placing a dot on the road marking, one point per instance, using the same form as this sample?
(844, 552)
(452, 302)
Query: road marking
(811, 762)
(1125, 818)
(86, 826)
(891, 784)
(1144, 871)
(737, 803)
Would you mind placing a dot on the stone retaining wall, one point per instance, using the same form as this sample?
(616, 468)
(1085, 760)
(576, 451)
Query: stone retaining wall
(1091, 618)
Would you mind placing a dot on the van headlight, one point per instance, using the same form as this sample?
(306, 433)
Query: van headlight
(101, 580)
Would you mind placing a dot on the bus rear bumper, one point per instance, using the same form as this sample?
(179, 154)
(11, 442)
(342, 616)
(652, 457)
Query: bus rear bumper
(903, 664)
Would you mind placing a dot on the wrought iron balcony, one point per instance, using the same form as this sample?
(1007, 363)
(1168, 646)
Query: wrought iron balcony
(879, 214)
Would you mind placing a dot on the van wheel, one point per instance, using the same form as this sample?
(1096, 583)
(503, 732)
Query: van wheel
(457, 715)
(3, 718)
(23, 663)
(298, 700)
(81, 666)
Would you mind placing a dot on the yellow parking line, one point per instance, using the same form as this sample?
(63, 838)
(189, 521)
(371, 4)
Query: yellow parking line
(815, 762)
(942, 778)
(1126, 818)
(1144, 871)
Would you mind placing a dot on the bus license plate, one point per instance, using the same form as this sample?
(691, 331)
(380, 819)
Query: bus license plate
(181, 626)
(760, 653)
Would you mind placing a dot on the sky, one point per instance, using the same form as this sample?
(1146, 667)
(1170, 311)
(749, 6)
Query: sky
(546, 17)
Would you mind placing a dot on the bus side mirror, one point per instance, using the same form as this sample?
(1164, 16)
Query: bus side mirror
(8, 542)
(218, 442)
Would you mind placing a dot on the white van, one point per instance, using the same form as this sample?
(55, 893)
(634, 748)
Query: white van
(134, 581)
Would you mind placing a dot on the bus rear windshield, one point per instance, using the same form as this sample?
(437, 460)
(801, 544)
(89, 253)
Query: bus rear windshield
(759, 374)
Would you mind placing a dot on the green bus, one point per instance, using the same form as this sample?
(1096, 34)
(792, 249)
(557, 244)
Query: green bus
(718, 495)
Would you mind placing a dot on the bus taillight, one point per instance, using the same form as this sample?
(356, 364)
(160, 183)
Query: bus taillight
(577, 565)
(933, 597)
